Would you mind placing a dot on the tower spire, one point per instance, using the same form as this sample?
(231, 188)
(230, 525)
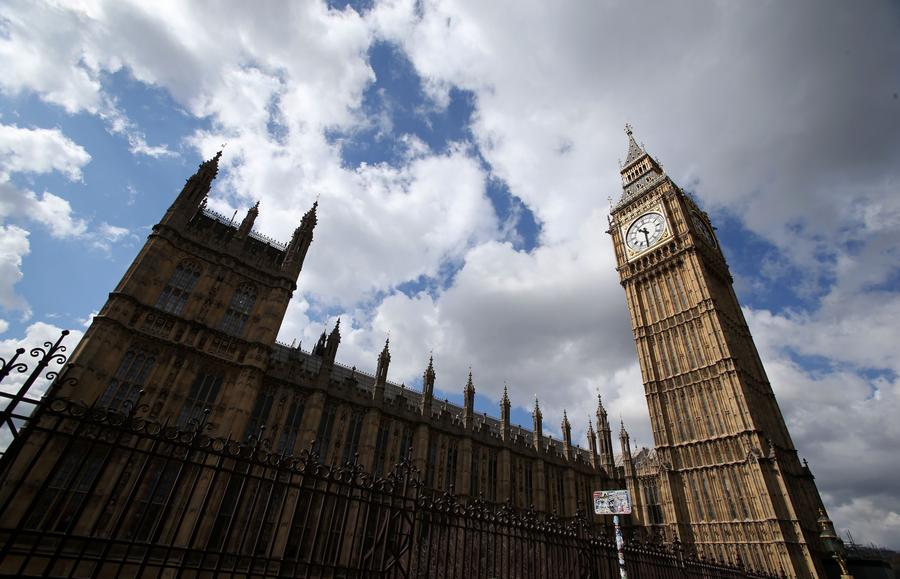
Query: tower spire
(469, 396)
(625, 442)
(592, 444)
(538, 418)
(428, 387)
(332, 343)
(193, 194)
(249, 219)
(635, 151)
(300, 241)
(567, 436)
(504, 413)
(604, 439)
(384, 360)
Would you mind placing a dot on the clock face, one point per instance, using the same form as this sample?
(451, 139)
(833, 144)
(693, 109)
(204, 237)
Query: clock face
(645, 231)
(703, 229)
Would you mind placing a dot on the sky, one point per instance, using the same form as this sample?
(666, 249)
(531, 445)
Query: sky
(464, 154)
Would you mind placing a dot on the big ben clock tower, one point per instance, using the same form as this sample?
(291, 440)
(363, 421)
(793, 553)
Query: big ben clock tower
(731, 481)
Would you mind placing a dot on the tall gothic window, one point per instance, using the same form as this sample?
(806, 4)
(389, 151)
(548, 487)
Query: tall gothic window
(450, 471)
(203, 393)
(492, 475)
(352, 444)
(291, 427)
(239, 310)
(474, 480)
(126, 383)
(381, 444)
(406, 440)
(59, 505)
(175, 295)
(326, 425)
(431, 461)
(260, 414)
(529, 484)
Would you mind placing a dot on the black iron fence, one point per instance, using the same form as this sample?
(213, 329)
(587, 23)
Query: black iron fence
(90, 492)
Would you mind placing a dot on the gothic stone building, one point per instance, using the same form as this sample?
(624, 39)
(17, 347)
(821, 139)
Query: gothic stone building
(192, 326)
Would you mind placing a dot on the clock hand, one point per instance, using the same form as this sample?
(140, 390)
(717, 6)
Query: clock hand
(646, 233)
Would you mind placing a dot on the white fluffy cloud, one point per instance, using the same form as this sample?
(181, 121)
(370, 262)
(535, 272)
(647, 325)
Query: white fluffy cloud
(13, 247)
(24, 150)
(35, 151)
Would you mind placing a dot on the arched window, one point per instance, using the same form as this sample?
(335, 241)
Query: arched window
(128, 379)
(291, 426)
(202, 395)
(239, 310)
(175, 295)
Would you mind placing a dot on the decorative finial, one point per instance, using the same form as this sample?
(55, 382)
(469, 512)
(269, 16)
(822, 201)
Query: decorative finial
(628, 129)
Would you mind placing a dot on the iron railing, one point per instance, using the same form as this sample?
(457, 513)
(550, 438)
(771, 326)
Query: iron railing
(87, 491)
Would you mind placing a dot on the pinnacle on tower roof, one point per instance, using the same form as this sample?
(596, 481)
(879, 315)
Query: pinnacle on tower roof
(590, 427)
(469, 384)
(309, 218)
(337, 328)
(505, 393)
(635, 151)
(565, 419)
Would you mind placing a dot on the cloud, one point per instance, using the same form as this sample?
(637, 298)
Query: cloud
(37, 150)
(41, 151)
(13, 247)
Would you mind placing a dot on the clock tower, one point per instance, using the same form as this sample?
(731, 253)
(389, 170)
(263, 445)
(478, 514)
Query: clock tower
(732, 484)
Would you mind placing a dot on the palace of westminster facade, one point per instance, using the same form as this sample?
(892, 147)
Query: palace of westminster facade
(194, 320)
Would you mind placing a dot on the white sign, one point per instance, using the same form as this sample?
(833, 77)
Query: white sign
(612, 502)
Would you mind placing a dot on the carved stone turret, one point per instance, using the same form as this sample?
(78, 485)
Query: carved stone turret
(592, 445)
(300, 241)
(428, 388)
(604, 439)
(331, 345)
(538, 432)
(504, 413)
(627, 462)
(384, 360)
(247, 224)
(567, 436)
(193, 195)
(469, 396)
